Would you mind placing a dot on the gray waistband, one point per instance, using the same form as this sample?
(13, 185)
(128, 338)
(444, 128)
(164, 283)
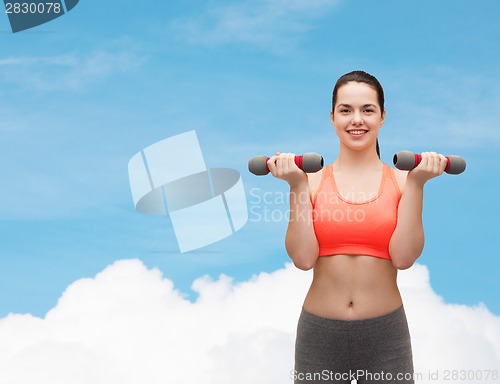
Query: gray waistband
(385, 320)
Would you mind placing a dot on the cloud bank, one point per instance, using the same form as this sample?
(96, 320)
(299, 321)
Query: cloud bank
(130, 325)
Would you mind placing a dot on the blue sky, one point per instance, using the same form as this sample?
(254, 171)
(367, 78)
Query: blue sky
(79, 96)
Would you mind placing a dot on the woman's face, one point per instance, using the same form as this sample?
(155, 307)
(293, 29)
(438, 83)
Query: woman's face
(356, 116)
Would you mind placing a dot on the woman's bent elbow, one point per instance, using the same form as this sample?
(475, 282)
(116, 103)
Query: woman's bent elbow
(303, 255)
(304, 265)
(401, 263)
(304, 260)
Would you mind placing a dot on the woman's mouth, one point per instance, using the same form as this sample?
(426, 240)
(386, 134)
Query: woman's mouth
(357, 132)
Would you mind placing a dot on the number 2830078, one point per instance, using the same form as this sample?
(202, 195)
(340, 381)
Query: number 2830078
(33, 8)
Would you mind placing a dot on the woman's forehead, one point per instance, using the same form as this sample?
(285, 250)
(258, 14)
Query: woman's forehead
(355, 92)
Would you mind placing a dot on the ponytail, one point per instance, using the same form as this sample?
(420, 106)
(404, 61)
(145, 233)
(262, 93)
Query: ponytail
(378, 149)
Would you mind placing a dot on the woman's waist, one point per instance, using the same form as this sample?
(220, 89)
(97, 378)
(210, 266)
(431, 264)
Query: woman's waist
(354, 271)
(388, 319)
(352, 305)
(353, 287)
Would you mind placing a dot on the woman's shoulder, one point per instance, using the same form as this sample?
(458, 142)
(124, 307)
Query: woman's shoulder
(400, 177)
(314, 180)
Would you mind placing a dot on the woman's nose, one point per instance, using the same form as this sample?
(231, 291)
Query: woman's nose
(357, 119)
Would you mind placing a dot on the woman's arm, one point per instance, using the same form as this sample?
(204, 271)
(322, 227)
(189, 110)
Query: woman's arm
(300, 240)
(407, 241)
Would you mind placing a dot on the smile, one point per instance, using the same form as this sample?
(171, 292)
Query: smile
(357, 132)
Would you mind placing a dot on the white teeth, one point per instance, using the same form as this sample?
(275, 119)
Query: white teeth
(357, 132)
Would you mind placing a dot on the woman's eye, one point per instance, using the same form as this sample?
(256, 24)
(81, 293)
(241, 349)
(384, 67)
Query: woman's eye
(344, 111)
(369, 111)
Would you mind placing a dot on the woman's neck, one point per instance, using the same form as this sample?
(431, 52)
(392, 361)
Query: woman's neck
(353, 161)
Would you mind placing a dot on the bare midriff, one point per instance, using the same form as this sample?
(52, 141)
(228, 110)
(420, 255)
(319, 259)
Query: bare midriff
(348, 287)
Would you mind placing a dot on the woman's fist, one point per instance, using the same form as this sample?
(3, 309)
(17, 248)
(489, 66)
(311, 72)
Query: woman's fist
(282, 166)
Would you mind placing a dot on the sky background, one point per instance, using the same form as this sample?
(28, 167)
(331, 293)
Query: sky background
(81, 95)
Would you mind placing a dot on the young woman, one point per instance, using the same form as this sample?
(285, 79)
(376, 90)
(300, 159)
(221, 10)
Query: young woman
(356, 222)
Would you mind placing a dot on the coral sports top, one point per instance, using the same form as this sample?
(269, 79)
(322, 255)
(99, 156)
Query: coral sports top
(346, 227)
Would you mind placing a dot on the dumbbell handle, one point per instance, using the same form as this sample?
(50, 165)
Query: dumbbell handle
(406, 161)
(309, 162)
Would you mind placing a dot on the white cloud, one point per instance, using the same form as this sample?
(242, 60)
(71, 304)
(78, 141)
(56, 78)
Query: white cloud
(69, 71)
(130, 325)
(268, 24)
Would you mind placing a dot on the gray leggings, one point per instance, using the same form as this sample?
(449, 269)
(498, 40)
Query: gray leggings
(376, 350)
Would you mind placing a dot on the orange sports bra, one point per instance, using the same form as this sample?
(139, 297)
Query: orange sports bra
(345, 227)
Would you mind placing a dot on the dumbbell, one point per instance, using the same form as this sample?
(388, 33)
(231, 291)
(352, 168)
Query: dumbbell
(308, 162)
(406, 161)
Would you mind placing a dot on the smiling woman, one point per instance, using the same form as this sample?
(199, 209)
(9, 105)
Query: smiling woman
(353, 317)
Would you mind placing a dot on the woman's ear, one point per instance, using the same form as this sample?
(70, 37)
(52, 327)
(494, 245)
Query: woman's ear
(331, 117)
(383, 117)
